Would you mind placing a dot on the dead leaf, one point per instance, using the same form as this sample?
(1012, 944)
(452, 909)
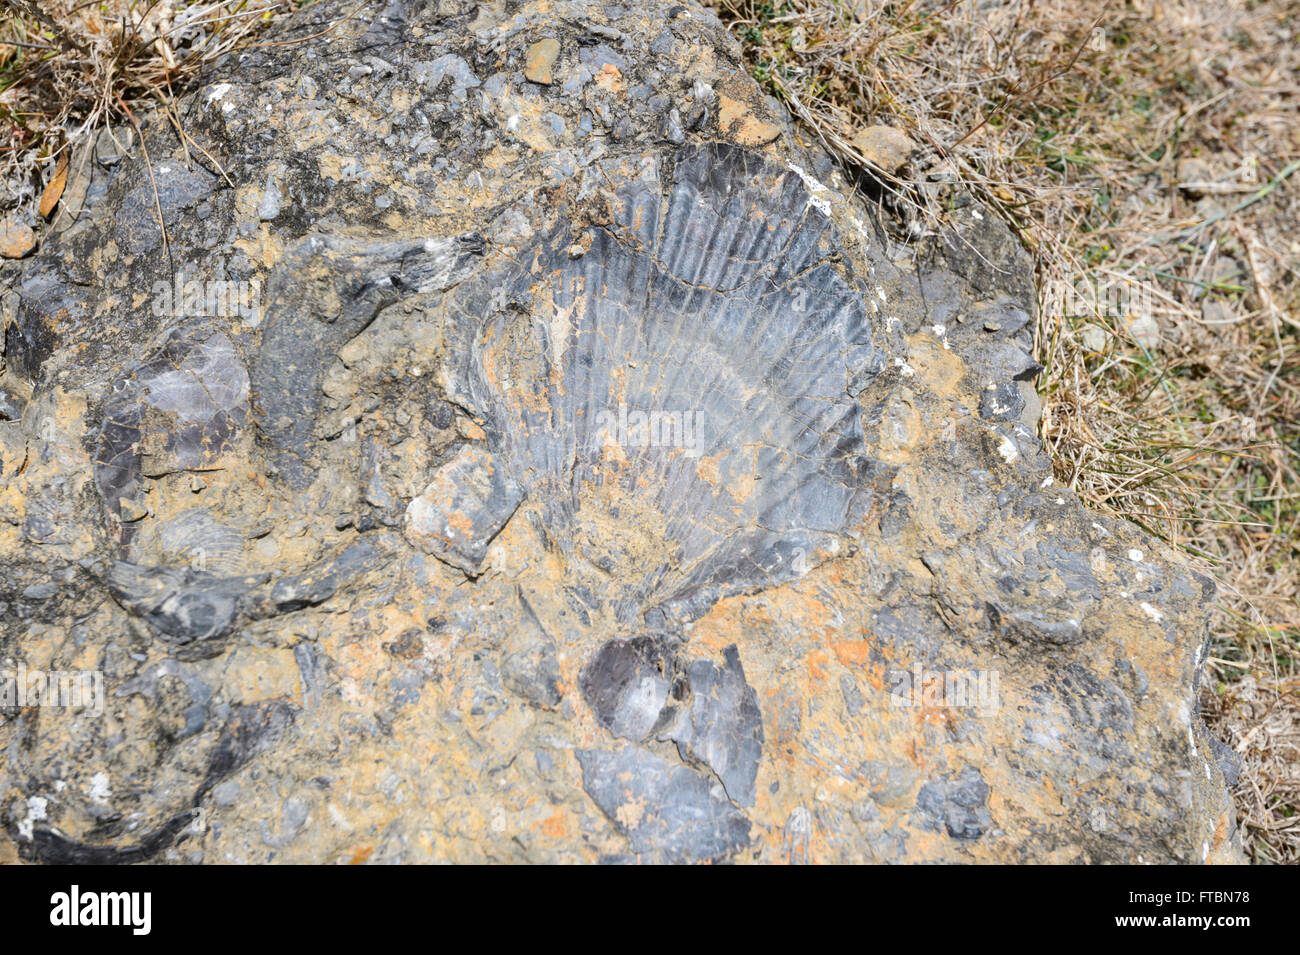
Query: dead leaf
(54, 191)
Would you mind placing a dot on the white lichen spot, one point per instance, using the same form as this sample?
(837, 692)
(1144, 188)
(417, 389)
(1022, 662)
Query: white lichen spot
(1151, 612)
(217, 92)
(1008, 450)
(818, 195)
(904, 367)
(1135, 555)
(36, 806)
(1047, 482)
(99, 791)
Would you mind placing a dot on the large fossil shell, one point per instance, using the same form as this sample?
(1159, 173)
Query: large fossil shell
(676, 385)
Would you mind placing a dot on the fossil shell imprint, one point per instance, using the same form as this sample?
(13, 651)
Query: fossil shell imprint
(678, 385)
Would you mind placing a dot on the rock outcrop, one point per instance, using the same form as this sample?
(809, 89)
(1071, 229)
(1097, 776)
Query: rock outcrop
(521, 447)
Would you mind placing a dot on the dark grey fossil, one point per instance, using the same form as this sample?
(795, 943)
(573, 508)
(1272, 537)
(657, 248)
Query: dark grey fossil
(778, 420)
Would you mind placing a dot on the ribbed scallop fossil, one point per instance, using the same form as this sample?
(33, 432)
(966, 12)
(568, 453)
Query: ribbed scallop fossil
(671, 373)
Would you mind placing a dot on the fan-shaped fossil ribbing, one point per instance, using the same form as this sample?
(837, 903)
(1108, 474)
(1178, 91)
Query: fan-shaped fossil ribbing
(689, 364)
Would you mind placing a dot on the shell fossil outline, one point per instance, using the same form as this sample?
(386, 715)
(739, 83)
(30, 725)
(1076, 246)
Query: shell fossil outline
(714, 293)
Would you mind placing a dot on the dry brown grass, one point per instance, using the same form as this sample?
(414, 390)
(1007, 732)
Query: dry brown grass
(1152, 148)
(70, 68)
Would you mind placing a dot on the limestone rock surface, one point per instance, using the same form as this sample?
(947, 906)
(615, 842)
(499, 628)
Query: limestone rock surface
(521, 447)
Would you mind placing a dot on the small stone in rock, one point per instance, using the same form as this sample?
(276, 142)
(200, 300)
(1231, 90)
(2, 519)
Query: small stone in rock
(540, 59)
